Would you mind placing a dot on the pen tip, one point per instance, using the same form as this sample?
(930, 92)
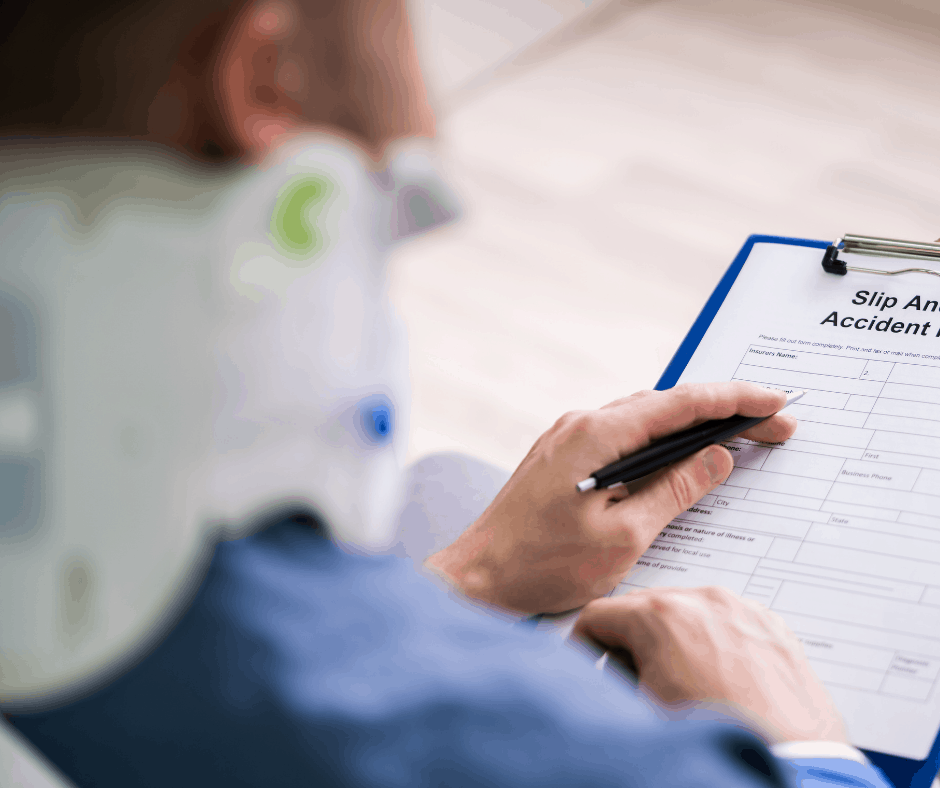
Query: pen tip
(794, 396)
(588, 484)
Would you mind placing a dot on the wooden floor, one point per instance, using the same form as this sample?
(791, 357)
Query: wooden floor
(611, 169)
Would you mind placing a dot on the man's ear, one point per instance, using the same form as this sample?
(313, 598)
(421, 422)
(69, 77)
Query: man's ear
(259, 80)
(232, 89)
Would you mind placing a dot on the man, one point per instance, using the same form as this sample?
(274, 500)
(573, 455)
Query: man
(194, 346)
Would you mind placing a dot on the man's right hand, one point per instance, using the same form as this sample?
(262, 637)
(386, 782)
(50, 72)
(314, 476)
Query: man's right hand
(709, 646)
(544, 547)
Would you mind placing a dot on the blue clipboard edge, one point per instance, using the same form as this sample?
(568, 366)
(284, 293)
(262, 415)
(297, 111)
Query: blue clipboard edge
(901, 771)
(692, 340)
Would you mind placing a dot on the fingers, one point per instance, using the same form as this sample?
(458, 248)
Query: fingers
(775, 430)
(646, 512)
(774, 624)
(641, 420)
(629, 621)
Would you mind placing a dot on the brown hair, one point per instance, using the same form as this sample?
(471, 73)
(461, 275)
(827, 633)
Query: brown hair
(75, 66)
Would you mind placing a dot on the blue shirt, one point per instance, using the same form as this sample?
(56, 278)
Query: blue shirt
(300, 664)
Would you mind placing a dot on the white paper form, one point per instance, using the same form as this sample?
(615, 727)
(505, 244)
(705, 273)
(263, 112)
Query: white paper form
(838, 529)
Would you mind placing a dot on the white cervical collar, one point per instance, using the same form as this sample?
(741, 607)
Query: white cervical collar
(191, 348)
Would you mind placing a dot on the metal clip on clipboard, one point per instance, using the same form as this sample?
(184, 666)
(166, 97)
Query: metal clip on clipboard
(879, 247)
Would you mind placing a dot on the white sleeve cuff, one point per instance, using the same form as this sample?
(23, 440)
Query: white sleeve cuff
(789, 750)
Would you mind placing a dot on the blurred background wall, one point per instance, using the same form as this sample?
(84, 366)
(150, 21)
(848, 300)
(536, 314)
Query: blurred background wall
(612, 157)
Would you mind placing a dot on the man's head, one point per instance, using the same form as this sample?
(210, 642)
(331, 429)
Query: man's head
(217, 78)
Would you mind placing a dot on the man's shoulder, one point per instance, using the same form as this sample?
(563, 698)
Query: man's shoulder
(291, 575)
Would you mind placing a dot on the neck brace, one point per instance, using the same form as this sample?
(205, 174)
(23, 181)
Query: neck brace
(181, 351)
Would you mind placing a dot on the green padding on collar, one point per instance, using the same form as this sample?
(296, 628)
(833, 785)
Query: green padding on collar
(294, 226)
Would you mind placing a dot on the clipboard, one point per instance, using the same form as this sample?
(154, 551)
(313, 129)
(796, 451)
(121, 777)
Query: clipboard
(832, 257)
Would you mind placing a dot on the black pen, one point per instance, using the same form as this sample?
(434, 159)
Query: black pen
(674, 448)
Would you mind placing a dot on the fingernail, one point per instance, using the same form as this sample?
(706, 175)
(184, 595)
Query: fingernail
(710, 460)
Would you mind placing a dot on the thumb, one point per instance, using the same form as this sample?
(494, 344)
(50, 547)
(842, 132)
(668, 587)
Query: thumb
(608, 621)
(657, 503)
(615, 626)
